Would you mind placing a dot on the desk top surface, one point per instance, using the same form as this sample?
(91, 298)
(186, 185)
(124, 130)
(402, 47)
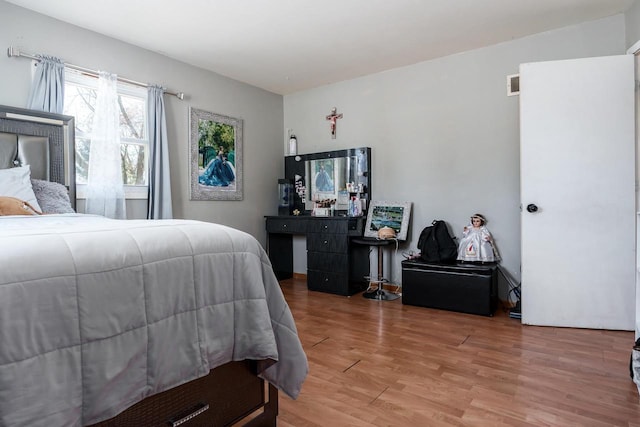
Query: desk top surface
(298, 217)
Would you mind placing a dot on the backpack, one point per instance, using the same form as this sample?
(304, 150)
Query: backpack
(436, 244)
(634, 363)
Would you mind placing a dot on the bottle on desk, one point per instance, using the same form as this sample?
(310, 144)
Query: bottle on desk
(355, 206)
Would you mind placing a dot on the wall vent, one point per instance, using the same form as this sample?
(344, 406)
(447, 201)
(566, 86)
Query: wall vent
(513, 84)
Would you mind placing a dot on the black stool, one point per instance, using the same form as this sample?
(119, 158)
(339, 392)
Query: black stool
(379, 293)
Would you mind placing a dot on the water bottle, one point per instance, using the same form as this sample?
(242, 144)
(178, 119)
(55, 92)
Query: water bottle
(293, 145)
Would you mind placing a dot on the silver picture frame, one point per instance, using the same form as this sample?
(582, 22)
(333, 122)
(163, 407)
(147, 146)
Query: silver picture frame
(215, 159)
(388, 214)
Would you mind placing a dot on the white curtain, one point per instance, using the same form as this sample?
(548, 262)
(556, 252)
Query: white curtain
(105, 190)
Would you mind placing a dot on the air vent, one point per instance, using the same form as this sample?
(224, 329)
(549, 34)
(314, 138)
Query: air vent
(513, 84)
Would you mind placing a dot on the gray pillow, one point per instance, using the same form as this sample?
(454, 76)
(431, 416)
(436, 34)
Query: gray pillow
(53, 198)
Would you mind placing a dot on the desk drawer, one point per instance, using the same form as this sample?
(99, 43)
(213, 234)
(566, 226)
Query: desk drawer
(327, 261)
(324, 281)
(329, 226)
(320, 242)
(286, 225)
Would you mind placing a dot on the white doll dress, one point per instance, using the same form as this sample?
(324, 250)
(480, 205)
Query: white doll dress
(477, 245)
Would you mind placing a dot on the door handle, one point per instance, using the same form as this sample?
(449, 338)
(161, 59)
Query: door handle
(532, 208)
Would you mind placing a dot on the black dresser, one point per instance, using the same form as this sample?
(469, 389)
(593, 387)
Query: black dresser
(334, 263)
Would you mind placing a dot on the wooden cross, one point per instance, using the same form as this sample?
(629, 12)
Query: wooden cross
(333, 118)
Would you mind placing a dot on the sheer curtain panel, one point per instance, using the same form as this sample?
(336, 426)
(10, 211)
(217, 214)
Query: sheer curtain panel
(105, 190)
(159, 179)
(47, 88)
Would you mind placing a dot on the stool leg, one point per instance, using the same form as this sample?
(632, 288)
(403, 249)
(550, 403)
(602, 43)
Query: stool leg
(380, 294)
(381, 278)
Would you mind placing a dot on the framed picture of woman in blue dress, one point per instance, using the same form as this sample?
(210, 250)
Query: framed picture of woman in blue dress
(215, 156)
(323, 179)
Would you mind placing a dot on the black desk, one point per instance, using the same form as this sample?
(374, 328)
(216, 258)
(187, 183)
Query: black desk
(334, 263)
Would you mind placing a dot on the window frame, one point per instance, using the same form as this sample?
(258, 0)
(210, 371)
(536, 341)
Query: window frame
(130, 191)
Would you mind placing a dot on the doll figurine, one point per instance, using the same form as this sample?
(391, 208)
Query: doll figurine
(476, 243)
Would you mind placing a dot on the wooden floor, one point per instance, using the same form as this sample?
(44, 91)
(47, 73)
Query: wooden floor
(378, 363)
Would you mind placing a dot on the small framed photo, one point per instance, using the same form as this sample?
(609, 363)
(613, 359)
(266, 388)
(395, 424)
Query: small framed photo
(323, 183)
(388, 214)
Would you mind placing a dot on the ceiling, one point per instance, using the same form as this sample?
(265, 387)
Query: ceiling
(285, 46)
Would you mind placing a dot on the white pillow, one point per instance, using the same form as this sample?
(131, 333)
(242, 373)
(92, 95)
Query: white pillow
(16, 182)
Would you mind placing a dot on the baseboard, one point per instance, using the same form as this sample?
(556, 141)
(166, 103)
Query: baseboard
(398, 289)
(387, 286)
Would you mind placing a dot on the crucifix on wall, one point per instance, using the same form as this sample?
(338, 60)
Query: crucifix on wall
(333, 118)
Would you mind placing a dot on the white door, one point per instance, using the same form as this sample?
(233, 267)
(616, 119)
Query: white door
(577, 166)
(635, 50)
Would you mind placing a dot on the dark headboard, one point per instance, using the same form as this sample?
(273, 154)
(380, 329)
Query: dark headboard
(44, 141)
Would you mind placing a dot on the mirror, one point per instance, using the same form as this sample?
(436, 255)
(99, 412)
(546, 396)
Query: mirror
(333, 175)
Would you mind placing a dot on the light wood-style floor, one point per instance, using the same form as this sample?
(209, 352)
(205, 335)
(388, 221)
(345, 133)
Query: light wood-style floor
(375, 363)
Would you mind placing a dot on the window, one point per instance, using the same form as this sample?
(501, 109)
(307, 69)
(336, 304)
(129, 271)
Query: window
(80, 101)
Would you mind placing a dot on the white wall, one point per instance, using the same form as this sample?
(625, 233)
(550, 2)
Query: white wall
(261, 111)
(632, 24)
(444, 134)
(632, 27)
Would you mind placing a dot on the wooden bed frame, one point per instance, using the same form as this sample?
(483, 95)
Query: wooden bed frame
(229, 394)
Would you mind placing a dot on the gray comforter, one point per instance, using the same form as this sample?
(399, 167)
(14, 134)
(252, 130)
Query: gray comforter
(97, 314)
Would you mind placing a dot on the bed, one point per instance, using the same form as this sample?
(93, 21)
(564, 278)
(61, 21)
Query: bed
(131, 323)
